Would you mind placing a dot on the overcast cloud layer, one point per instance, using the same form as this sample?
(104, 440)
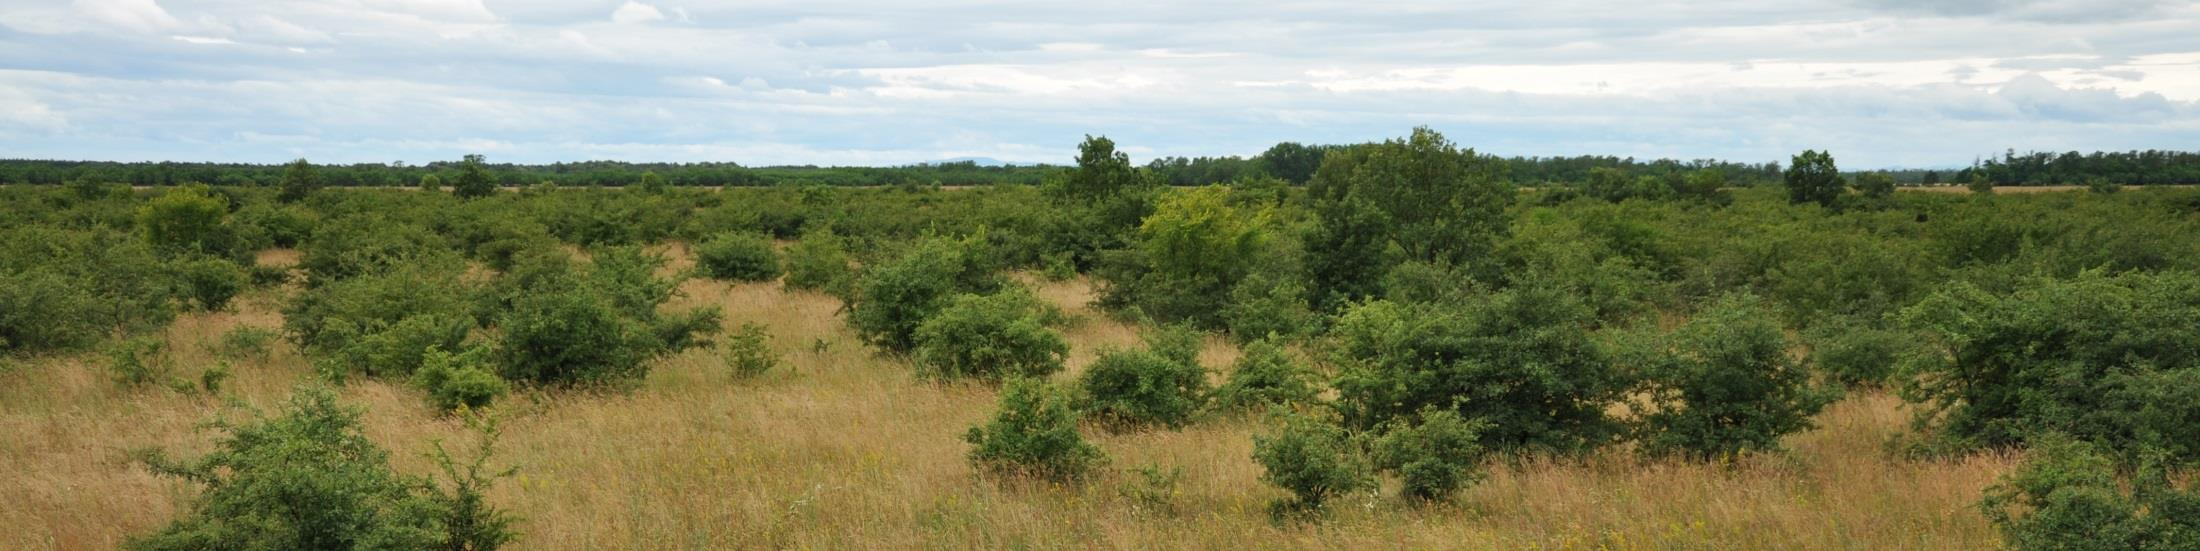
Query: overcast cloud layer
(1880, 82)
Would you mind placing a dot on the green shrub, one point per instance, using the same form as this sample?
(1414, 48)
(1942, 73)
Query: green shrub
(1162, 384)
(2110, 360)
(1266, 305)
(245, 342)
(896, 297)
(310, 479)
(1033, 433)
(1434, 456)
(573, 337)
(466, 379)
(187, 220)
(748, 351)
(1313, 460)
(819, 262)
(1191, 252)
(212, 378)
(381, 324)
(738, 257)
(208, 283)
(358, 245)
(2067, 495)
(1520, 359)
(300, 180)
(45, 310)
(140, 361)
(990, 337)
(1857, 354)
(1724, 384)
(1265, 374)
(283, 226)
(1060, 266)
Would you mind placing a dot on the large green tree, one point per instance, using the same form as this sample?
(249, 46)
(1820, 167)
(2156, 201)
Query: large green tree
(474, 179)
(1292, 161)
(299, 180)
(1812, 178)
(1420, 196)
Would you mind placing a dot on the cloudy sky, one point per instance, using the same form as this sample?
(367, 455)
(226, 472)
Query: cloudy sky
(1880, 82)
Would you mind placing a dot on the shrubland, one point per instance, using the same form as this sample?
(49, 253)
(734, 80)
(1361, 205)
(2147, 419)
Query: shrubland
(1395, 319)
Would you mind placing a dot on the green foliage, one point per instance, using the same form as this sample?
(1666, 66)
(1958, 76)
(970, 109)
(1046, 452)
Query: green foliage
(2067, 496)
(356, 245)
(212, 378)
(1857, 354)
(1724, 384)
(431, 183)
(68, 289)
(140, 361)
(1313, 460)
(738, 257)
(1812, 178)
(2106, 359)
(564, 325)
(466, 379)
(651, 183)
(1875, 189)
(1521, 359)
(309, 479)
(474, 180)
(1265, 374)
(2102, 186)
(246, 342)
(748, 351)
(1195, 248)
(300, 179)
(896, 297)
(1435, 455)
(1420, 196)
(990, 337)
(382, 324)
(208, 283)
(1138, 388)
(820, 262)
(1267, 305)
(1061, 266)
(188, 219)
(1033, 433)
(1292, 162)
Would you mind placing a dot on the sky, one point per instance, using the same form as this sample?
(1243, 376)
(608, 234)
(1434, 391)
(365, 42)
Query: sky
(1880, 83)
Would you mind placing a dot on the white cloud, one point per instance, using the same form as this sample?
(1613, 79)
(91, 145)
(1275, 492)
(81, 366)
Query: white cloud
(636, 12)
(777, 81)
(143, 16)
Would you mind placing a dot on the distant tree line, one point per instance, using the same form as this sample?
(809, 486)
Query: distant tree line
(2041, 168)
(1291, 162)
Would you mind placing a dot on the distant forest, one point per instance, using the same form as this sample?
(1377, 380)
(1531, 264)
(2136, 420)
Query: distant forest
(1288, 161)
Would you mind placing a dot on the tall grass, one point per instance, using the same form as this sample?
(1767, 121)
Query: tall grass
(843, 447)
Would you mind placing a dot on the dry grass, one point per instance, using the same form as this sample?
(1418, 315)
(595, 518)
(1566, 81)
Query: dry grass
(843, 448)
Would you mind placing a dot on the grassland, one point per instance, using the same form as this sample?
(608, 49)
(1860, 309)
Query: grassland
(844, 448)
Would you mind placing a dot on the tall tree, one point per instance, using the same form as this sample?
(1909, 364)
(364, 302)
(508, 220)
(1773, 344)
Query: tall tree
(1812, 178)
(473, 179)
(1292, 162)
(1421, 196)
(299, 180)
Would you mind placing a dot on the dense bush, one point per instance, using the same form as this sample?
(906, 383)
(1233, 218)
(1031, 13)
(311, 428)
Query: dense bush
(1034, 432)
(1265, 374)
(820, 262)
(64, 289)
(2068, 495)
(1267, 305)
(899, 295)
(990, 337)
(1519, 359)
(1191, 251)
(359, 245)
(189, 220)
(2111, 360)
(1858, 354)
(1141, 388)
(1724, 384)
(466, 379)
(1435, 455)
(381, 324)
(738, 257)
(208, 283)
(598, 325)
(1314, 460)
(310, 479)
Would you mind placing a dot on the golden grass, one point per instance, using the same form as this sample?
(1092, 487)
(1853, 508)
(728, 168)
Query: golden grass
(844, 448)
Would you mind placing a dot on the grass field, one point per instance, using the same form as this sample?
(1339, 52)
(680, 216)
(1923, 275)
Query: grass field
(844, 448)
